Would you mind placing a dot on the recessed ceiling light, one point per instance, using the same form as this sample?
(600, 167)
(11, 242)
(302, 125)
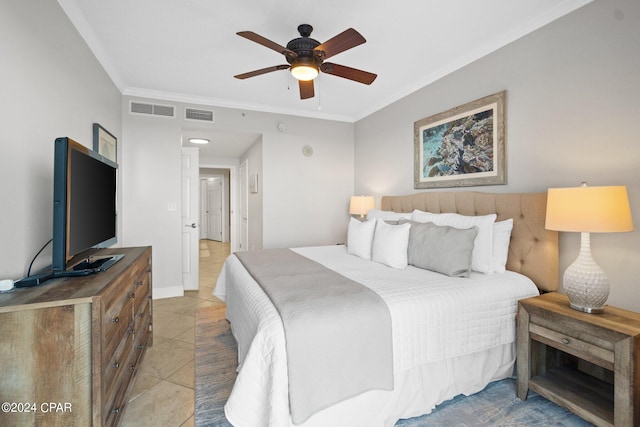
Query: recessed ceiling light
(198, 140)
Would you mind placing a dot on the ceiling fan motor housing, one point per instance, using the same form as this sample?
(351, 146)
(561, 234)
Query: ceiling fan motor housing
(304, 48)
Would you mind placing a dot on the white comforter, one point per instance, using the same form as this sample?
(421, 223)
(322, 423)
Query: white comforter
(435, 318)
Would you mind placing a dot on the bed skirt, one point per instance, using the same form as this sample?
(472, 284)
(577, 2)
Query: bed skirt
(417, 391)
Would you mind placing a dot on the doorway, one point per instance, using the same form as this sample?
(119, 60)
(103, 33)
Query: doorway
(214, 207)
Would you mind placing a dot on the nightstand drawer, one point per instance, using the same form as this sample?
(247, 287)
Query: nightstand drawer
(582, 349)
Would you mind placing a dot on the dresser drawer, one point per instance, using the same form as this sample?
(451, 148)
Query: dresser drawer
(581, 348)
(141, 290)
(115, 369)
(117, 402)
(116, 327)
(142, 326)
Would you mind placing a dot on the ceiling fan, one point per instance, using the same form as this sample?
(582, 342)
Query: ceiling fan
(306, 58)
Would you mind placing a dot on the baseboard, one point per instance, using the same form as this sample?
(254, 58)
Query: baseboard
(168, 292)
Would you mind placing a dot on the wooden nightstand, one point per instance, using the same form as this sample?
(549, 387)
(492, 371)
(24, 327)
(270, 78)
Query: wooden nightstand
(587, 363)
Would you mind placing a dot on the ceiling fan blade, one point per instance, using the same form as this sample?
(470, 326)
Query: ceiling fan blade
(343, 41)
(348, 73)
(261, 71)
(306, 89)
(250, 35)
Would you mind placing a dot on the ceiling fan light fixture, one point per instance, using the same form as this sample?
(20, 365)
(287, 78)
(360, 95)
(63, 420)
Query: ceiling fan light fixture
(198, 141)
(304, 72)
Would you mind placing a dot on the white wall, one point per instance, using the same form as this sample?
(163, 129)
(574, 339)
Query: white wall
(255, 201)
(307, 198)
(151, 183)
(304, 200)
(51, 85)
(573, 90)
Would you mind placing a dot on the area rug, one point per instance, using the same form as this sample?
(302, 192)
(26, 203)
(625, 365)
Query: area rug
(496, 405)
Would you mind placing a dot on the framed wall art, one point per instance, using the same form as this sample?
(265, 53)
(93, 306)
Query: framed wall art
(104, 143)
(464, 146)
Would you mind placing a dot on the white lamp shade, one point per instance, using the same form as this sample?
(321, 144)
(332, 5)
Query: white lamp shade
(589, 209)
(361, 205)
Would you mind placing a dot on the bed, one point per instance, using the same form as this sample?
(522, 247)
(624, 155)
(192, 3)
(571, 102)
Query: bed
(449, 335)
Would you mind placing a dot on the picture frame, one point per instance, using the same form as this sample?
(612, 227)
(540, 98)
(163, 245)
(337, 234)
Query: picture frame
(105, 143)
(463, 146)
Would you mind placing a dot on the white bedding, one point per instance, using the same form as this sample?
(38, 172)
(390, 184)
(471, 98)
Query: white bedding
(444, 329)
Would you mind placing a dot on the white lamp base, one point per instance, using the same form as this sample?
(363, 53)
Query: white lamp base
(584, 282)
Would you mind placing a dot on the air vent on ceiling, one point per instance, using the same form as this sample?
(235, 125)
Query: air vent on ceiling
(199, 115)
(152, 109)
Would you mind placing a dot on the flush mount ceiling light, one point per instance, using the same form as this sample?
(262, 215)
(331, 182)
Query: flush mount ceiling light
(198, 141)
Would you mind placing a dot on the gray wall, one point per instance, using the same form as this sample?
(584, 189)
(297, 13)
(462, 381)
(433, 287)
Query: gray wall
(51, 85)
(573, 91)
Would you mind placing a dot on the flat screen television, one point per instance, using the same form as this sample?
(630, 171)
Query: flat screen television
(84, 208)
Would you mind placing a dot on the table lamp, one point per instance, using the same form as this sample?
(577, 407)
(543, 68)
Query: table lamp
(587, 210)
(361, 205)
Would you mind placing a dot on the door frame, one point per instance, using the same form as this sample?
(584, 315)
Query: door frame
(205, 201)
(233, 201)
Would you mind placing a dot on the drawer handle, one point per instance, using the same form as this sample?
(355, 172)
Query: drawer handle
(132, 296)
(139, 282)
(132, 331)
(133, 367)
(116, 365)
(115, 319)
(141, 346)
(565, 341)
(116, 410)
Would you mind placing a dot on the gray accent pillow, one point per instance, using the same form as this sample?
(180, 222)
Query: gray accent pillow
(441, 248)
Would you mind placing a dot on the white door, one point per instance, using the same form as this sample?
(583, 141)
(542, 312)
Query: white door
(204, 229)
(215, 195)
(190, 240)
(244, 205)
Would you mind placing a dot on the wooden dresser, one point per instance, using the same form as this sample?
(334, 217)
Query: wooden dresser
(70, 348)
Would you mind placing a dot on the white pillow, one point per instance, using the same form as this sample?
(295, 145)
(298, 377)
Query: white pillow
(360, 237)
(387, 215)
(501, 240)
(482, 254)
(390, 244)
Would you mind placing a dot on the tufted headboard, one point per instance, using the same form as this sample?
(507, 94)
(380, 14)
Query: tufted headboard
(533, 250)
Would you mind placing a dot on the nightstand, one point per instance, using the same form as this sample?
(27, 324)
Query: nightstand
(587, 363)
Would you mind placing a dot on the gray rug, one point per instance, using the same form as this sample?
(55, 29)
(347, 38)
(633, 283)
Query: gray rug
(496, 405)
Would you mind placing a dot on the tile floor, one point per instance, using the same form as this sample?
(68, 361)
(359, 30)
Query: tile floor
(163, 392)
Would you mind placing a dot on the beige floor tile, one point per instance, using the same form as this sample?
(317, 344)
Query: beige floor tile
(188, 336)
(184, 376)
(162, 394)
(170, 325)
(180, 305)
(165, 404)
(143, 383)
(189, 423)
(163, 360)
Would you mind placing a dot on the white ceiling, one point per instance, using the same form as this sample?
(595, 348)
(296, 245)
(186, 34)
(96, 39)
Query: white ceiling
(188, 50)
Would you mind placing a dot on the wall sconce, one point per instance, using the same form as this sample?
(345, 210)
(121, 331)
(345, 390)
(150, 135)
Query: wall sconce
(361, 205)
(587, 210)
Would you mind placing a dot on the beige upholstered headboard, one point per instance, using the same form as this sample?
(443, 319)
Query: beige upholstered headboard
(533, 251)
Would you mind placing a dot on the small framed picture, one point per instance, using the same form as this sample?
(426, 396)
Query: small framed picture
(104, 143)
